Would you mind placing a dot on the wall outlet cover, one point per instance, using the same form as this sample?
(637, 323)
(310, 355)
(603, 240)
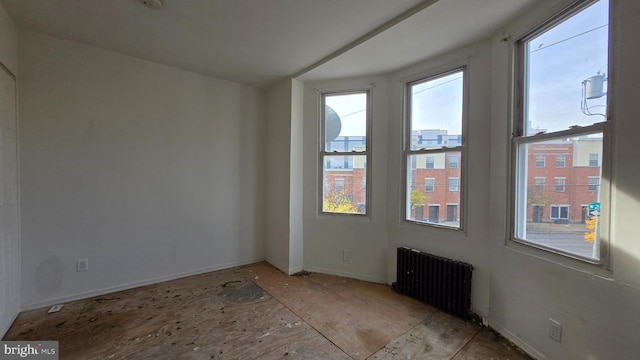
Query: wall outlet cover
(555, 330)
(55, 308)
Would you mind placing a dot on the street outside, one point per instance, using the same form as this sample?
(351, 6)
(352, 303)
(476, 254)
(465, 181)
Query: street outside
(565, 237)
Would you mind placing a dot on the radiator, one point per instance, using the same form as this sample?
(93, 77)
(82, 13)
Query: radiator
(437, 281)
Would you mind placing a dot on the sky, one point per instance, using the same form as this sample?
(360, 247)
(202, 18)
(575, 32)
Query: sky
(559, 61)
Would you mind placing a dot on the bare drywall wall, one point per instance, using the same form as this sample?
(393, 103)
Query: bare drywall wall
(147, 171)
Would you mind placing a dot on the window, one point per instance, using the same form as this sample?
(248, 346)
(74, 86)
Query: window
(594, 183)
(540, 182)
(435, 137)
(560, 184)
(453, 161)
(344, 152)
(429, 185)
(430, 162)
(562, 107)
(453, 184)
(559, 212)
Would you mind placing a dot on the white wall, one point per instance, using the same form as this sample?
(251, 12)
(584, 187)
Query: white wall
(599, 314)
(325, 237)
(148, 171)
(469, 245)
(9, 200)
(296, 183)
(8, 42)
(278, 150)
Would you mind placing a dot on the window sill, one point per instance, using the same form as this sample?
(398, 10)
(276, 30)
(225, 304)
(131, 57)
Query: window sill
(578, 263)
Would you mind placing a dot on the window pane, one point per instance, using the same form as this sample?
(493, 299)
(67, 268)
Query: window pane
(558, 217)
(565, 80)
(429, 185)
(436, 112)
(429, 195)
(344, 184)
(345, 121)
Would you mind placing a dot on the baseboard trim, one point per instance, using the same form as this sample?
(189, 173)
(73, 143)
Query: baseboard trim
(516, 340)
(347, 274)
(135, 284)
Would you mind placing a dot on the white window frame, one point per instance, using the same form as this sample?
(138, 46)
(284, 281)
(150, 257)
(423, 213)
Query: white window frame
(517, 202)
(456, 162)
(589, 184)
(457, 187)
(427, 162)
(563, 162)
(433, 185)
(597, 160)
(544, 161)
(462, 148)
(322, 151)
(559, 206)
(563, 183)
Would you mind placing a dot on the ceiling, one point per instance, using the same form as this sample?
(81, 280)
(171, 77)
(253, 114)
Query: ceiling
(257, 42)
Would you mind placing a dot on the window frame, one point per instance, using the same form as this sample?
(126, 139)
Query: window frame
(454, 67)
(596, 185)
(322, 151)
(517, 138)
(562, 184)
(457, 180)
(456, 162)
(433, 185)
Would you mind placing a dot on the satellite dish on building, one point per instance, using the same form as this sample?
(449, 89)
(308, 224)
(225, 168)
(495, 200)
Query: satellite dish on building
(332, 124)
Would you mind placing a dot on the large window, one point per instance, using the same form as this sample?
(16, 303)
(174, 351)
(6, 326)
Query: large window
(435, 149)
(562, 108)
(344, 152)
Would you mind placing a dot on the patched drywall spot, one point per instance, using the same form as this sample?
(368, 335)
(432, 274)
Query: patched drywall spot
(49, 275)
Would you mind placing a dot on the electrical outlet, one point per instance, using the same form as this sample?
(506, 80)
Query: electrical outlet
(83, 265)
(555, 330)
(55, 308)
(346, 255)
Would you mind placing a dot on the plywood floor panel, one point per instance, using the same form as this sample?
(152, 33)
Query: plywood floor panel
(258, 312)
(219, 315)
(439, 337)
(358, 316)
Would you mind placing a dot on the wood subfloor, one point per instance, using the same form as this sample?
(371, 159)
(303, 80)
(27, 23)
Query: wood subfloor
(257, 312)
